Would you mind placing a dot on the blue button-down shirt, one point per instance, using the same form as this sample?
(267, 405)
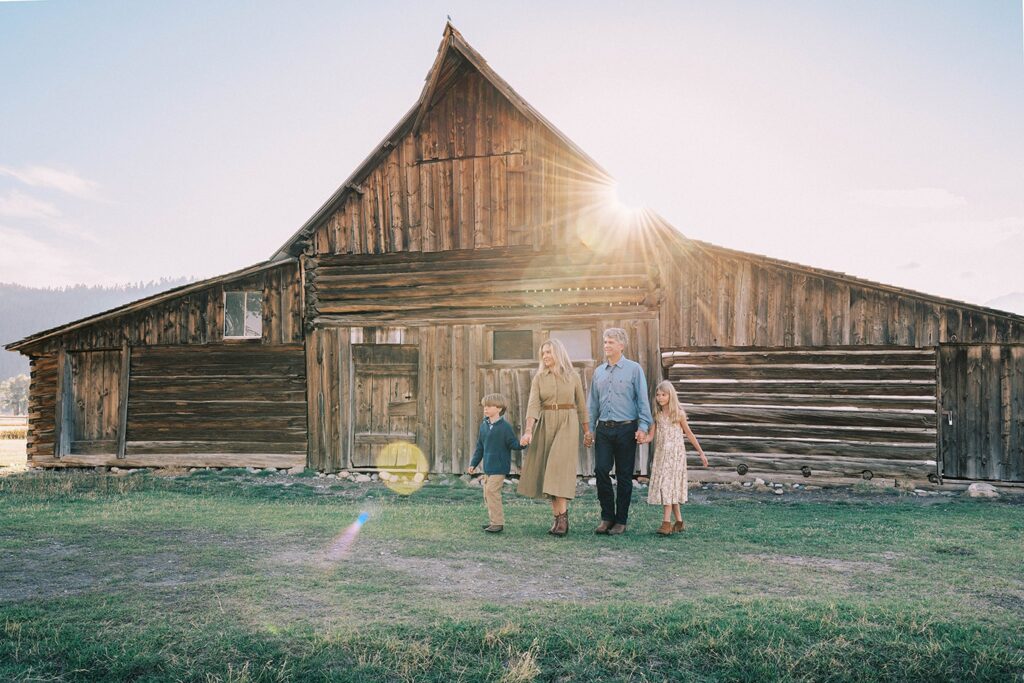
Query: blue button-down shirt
(619, 392)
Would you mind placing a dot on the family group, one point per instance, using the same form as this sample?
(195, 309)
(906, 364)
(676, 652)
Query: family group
(615, 418)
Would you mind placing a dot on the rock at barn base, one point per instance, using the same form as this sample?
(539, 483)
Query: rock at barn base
(982, 490)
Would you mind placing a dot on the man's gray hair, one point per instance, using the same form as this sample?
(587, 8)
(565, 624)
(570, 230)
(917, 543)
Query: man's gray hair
(616, 333)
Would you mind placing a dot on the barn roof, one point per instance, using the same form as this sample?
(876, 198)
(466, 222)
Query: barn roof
(453, 52)
(145, 302)
(666, 231)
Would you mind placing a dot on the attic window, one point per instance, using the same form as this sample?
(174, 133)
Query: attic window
(243, 315)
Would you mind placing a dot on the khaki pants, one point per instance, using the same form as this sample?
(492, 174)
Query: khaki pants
(492, 498)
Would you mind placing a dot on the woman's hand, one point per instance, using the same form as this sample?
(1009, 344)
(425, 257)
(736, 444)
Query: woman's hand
(703, 458)
(526, 439)
(588, 439)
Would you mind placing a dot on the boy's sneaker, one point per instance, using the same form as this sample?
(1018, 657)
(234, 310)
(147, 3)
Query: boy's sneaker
(493, 528)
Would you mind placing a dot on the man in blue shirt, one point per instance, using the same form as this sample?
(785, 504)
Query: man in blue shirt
(620, 415)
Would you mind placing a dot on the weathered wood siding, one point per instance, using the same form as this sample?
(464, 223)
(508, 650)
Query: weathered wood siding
(981, 424)
(850, 412)
(94, 398)
(454, 370)
(478, 174)
(82, 405)
(234, 402)
(719, 297)
(482, 284)
(194, 318)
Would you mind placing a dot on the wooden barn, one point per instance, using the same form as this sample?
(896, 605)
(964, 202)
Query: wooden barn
(471, 233)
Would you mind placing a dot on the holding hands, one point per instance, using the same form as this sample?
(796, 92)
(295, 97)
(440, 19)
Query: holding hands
(526, 439)
(588, 439)
(642, 436)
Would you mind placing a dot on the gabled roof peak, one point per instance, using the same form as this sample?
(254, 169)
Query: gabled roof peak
(452, 44)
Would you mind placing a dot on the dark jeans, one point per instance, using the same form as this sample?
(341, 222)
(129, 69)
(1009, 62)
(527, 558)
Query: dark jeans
(615, 446)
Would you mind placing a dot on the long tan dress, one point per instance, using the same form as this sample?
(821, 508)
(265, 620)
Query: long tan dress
(549, 465)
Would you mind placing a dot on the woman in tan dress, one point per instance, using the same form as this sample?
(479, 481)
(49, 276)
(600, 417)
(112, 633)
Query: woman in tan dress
(555, 412)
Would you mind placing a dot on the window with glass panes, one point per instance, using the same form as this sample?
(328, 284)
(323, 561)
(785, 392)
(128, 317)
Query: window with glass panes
(576, 342)
(243, 315)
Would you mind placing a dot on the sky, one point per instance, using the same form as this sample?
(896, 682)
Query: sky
(883, 139)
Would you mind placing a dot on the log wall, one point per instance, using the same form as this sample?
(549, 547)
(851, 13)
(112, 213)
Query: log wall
(719, 297)
(42, 406)
(477, 284)
(849, 412)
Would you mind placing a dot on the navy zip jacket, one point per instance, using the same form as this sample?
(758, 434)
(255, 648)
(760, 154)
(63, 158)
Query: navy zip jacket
(494, 446)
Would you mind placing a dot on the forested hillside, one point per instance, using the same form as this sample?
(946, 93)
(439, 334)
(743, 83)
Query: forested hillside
(27, 310)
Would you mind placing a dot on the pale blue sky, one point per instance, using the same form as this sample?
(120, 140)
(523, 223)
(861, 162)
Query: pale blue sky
(883, 139)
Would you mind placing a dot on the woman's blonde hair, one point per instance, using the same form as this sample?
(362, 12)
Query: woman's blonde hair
(563, 365)
(673, 409)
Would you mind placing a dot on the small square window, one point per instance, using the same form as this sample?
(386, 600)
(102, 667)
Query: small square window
(576, 342)
(513, 345)
(243, 315)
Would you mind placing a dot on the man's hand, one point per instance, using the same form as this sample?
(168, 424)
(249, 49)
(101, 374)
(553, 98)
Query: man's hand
(641, 436)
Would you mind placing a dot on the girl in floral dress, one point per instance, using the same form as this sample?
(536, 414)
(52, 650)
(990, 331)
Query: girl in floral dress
(668, 486)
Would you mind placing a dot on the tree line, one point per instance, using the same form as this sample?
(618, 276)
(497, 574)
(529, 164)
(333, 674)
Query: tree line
(27, 310)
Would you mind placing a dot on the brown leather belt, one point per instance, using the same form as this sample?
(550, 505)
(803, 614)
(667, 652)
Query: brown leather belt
(561, 406)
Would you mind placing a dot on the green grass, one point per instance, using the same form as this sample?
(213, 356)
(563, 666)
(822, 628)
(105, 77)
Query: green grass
(226, 577)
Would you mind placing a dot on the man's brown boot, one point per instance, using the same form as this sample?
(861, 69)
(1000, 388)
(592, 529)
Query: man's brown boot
(603, 527)
(617, 529)
(665, 529)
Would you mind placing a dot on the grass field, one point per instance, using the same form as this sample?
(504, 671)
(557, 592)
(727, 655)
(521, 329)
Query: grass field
(230, 577)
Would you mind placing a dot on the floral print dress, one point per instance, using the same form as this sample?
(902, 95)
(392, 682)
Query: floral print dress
(669, 482)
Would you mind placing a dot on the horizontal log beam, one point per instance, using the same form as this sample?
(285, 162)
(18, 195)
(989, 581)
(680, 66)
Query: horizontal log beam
(855, 434)
(808, 400)
(811, 387)
(832, 449)
(277, 460)
(802, 372)
(909, 357)
(813, 417)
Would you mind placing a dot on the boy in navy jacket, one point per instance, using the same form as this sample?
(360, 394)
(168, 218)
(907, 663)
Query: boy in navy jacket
(494, 446)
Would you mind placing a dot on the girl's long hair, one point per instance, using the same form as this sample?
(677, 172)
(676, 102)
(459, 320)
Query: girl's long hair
(673, 410)
(563, 366)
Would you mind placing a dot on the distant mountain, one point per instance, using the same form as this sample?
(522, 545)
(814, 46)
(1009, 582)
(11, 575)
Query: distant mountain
(1011, 303)
(27, 310)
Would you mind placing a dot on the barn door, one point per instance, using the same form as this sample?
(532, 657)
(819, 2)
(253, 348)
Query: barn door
(981, 411)
(384, 400)
(92, 401)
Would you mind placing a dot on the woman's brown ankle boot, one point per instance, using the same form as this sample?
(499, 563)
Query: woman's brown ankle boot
(678, 526)
(554, 525)
(561, 527)
(665, 529)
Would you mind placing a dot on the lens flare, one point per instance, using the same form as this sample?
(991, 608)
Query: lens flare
(343, 542)
(402, 467)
